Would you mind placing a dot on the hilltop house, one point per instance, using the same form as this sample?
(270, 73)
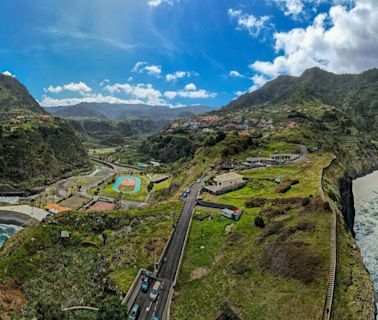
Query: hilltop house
(226, 182)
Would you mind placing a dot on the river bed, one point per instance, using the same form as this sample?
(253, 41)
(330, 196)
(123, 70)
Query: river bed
(365, 191)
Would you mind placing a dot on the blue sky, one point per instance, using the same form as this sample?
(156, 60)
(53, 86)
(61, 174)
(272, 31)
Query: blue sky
(178, 52)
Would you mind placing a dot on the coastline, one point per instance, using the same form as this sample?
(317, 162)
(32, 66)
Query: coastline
(16, 218)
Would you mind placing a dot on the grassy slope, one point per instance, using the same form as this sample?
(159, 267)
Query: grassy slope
(255, 294)
(82, 270)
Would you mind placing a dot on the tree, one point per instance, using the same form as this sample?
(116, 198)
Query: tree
(150, 186)
(111, 308)
(50, 312)
(259, 222)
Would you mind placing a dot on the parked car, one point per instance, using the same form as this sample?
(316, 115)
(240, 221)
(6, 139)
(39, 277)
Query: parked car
(155, 317)
(134, 313)
(155, 291)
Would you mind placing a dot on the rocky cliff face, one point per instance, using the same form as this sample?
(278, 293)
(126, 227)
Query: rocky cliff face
(354, 292)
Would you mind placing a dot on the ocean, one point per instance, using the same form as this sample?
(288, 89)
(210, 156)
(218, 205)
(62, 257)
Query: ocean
(365, 191)
(6, 231)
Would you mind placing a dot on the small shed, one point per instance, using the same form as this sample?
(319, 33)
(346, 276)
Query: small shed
(64, 234)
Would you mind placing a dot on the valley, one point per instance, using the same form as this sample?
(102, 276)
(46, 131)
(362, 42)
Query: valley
(233, 211)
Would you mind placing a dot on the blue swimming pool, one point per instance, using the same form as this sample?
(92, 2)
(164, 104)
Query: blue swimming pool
(127, 179)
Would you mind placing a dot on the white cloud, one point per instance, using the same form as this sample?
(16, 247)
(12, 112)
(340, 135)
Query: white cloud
(153, 70)
(178, 75)
(170, 94)
(73, 87)
(236, 74)
(249, 22)
(138, 66)
(239, 93)
(104, 82)
(190, 91)
(143, 92)
(8, 73)
(143, 66)
(291, 7)
(156, 3)
(345, 40)
(190, 87)
(302, 8)
(99, 98)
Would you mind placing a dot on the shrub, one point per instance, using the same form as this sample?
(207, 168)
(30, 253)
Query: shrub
(259, 222)
(305, 202)
(255, 202)
(111, 308)
(283, 187)
(293, 259)
(50, 312)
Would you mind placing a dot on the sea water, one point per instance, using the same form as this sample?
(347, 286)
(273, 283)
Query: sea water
(6, 231)
(365, 191)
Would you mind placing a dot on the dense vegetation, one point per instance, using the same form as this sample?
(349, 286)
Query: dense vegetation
(115, 133)
(125, 111)
(356, 95)
(35, 148)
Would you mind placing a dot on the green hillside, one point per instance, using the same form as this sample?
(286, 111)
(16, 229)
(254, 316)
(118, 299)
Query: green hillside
(354, 94)
(35, 148)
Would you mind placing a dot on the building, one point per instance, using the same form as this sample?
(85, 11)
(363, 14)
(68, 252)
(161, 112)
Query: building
(232, 214)
(55, 208)
(254, 161)
(225, 183)
(227, 180)
(64, 234)
(284, 157)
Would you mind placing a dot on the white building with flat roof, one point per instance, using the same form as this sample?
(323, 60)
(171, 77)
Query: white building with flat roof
(228, 180)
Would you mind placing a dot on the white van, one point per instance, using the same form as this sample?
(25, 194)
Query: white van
(155, 291)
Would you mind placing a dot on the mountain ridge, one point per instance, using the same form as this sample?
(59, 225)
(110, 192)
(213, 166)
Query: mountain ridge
(124, 111)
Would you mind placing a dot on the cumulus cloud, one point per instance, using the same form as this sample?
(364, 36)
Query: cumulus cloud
(73, 87)
(8, 73)
(178, 75)
(190, 91)
(344, 40)
(254, 25)
(143, 92)
(143, 66)
(190, 87)
(236, 74)
(302, 8)
(291, 7)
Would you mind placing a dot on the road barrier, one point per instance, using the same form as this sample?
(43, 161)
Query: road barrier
(80, 308)
(132, 293)
(215, 205)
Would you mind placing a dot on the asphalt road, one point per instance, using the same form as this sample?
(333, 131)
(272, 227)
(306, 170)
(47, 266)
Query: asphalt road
(171, 259)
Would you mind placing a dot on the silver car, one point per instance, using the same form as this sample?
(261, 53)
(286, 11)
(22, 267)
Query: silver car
(155, 291)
